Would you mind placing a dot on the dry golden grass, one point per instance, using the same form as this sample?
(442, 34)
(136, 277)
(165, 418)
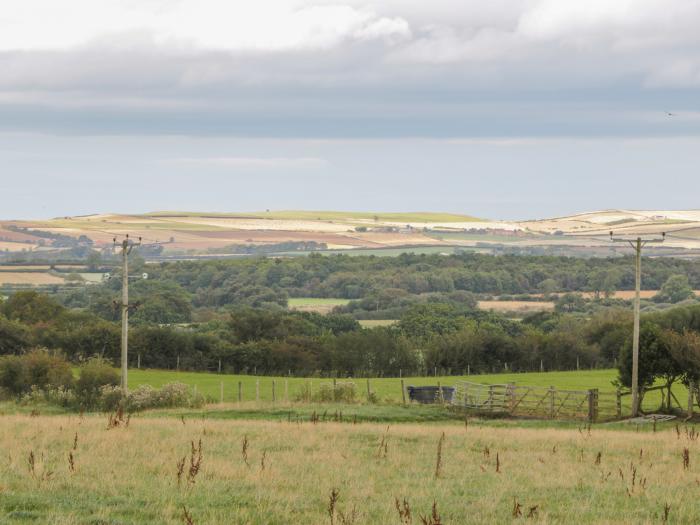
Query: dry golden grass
(33, 278)
(129, 474)
(517, 306)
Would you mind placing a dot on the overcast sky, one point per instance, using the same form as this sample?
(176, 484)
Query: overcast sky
(500, 108)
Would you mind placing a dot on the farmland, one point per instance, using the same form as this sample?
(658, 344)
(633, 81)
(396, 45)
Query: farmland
(70, 470)
(387, 389)
(194, 234)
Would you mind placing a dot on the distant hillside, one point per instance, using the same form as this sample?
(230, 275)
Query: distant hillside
(291, 232)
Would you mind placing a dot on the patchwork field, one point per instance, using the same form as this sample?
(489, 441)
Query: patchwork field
(74, 470)
(200, 232)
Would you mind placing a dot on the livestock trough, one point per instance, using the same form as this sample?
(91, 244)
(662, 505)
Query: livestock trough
(430, 394)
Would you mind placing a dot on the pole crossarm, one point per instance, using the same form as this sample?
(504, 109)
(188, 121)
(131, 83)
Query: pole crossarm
(637, 244)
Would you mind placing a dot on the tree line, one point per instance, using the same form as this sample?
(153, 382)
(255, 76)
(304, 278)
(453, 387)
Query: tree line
(449, 338)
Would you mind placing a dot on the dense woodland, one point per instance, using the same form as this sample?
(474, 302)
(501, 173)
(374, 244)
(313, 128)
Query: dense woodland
(202, 315)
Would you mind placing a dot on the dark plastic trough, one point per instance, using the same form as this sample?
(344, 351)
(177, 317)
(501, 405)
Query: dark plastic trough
(430, 394)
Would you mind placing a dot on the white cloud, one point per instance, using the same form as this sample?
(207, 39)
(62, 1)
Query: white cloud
(199, 24)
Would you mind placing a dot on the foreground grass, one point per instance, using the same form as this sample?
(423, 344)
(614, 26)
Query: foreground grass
(129, 474)
(388, 390)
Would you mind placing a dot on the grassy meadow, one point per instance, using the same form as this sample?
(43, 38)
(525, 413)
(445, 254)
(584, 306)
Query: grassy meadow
(74, 470)
(388, 389)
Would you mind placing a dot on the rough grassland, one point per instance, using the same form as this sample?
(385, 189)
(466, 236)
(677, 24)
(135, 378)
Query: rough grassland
(129, 475)
(387, 389)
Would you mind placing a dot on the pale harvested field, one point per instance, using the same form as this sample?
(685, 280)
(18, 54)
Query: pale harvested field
(517, 306)
(16, 246)
(487, 474)
(33, 278)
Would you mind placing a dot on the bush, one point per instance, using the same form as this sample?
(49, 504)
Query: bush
(39, 369)
(61, 396)
(341, 392)
(94, 375)
(144, 397)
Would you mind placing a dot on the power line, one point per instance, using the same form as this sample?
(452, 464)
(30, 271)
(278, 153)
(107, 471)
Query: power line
(637, 244)
(126, 246)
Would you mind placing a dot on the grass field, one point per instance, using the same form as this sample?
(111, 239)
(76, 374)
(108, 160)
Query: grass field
(337, 216)
(74, 470)
(322, 305)
(373, 323)
(517, 306)
(387, 389)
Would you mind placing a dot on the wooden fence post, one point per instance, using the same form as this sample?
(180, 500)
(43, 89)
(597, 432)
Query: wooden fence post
(552, 393)
(510, 397)
(691, 389)
(441, 396)
(618, 402)
(468, 370)
(240, 392)
(257, 390)
(273, 390)
(221, 392)
(219, 365)
(369, 392)
(403, 392)
(138, 360)
(286, 390)
(593, 405)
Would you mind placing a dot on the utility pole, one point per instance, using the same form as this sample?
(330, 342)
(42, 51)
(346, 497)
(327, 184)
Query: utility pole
(637, 244)
(126, 246)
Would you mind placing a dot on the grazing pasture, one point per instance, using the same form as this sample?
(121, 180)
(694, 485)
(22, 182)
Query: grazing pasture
(72, 469)
(386, 389)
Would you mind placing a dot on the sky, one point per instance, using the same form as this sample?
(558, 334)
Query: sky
(506, 109)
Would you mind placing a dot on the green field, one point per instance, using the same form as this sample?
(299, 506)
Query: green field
(332, 216)
(388, 390)
(373, 323)
(294, 302)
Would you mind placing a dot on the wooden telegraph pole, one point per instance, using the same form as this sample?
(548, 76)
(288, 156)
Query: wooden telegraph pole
(637, 244)
(126, 246)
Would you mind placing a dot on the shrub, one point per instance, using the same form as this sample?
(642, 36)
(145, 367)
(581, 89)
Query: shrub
(341, 392)
(18, 374)
(94, 375)
(61, 396)
(171, 395)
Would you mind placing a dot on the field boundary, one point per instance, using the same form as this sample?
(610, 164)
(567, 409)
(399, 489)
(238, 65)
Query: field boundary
(538, 402)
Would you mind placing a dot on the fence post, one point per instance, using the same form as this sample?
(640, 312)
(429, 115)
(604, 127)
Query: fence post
(441, 396)
(510, 395)
(593, 405)
(221, 392)
(403, 393)
(691, 388)
(273, 390)
(541, 365)
(240, 392)
(286, 390)
(257, 390)
(618, 402)
(138, 360)
(552, 393)
(177, 364)
(468, 370)
(369, 392)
